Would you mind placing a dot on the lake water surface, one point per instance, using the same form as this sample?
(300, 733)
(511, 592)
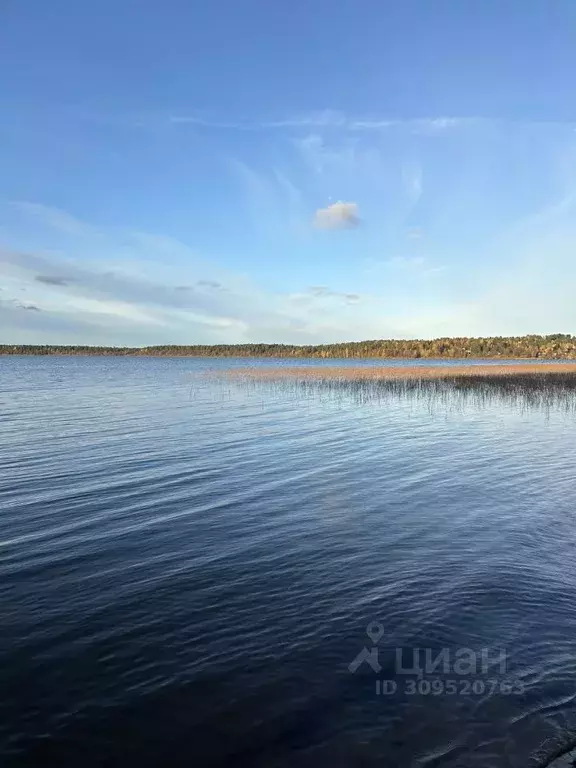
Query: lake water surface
(188, 569)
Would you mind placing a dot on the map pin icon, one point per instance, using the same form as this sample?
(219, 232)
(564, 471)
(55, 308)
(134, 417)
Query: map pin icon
(374, 630)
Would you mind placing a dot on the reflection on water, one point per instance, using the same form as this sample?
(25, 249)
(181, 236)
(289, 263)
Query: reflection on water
(189, 565)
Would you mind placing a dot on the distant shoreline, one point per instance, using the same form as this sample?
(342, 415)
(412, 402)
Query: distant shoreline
(551, 347)
(548, 360)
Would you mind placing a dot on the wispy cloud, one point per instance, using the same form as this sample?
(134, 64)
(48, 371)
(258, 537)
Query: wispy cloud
(271, 200)
(120, 286)
(416, 266)
(323, 292)
(8, 302)
(14, 303)
(214, 284)
(412, 182)
(338, 215)
(344, 156)
(50, 280)
(206, 122)
(99, 302)
(329, 119)
(55, 218)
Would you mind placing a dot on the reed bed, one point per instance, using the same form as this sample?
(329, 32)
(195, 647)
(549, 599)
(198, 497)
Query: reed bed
(544, 386)
(342, 372)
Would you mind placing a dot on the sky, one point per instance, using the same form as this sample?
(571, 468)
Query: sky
(176, 172)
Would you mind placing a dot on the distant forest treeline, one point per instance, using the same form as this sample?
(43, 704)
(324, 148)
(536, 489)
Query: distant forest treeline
(555, 346)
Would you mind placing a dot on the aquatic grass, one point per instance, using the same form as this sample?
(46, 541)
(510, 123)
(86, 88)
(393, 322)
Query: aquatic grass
(526, 386)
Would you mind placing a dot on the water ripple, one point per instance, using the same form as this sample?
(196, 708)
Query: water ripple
(197, 565)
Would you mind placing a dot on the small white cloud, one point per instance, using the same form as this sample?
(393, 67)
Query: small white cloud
(339, 215)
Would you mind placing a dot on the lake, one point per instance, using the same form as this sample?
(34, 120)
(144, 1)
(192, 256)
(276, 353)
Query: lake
(194, 571)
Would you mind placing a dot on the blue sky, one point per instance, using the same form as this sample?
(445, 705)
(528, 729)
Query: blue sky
(217, 172)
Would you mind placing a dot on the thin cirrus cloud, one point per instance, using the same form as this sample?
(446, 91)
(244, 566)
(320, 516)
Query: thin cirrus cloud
(338, 215)
(55, 218)
(329, 119)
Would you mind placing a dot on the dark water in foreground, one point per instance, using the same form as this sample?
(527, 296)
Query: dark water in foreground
(187, 570)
